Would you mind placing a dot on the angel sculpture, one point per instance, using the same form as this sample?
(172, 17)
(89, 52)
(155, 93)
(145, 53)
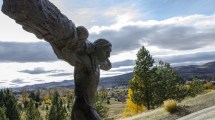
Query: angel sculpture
(70, 44)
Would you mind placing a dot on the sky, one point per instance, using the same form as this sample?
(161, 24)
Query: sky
(180, 32)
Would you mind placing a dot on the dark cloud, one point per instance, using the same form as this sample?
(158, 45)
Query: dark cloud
(18, 81)
(122, 70)
(123, 63)
(40, 80)
(61, 74)
(173, 35)
(191, 57)
(39, 70)
(26, 52)
(181, 59)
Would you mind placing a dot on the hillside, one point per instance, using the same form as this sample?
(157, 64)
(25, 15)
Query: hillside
(205, 71)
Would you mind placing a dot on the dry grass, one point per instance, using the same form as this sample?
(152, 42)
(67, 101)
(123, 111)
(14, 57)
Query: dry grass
(187, 106)
(115, 109)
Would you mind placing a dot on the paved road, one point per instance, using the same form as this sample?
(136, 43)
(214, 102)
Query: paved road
(205, 114)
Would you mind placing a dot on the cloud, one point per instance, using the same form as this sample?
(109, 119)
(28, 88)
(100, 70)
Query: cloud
(39, 70)
(40, 80)
(61, 74)
(18, 81)
(91, 12)
(123, 63)
(190, 58)
(176, 59)
(26, 52)
(178, 33)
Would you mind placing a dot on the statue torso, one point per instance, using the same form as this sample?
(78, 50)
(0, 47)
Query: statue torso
(86, 77)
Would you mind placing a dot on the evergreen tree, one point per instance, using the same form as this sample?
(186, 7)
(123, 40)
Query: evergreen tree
(37, 97)
(10, 103)
(168, 84)
(142, 87)
(32, 96)
(2, 114)
(100, 107)
(32, 113)
(70, 98)
(57, 110)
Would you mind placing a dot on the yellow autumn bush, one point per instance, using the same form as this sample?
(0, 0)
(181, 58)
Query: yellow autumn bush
(170, 105)
(47, 101)
(208, 85)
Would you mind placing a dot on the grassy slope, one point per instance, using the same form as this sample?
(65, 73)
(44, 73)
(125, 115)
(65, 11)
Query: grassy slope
(187, 106)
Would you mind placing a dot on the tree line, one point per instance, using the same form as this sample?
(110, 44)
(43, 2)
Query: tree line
(28, 109)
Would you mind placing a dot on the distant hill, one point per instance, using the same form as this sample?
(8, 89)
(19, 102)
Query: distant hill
(42, 86)
(107, 82)
(205, 71)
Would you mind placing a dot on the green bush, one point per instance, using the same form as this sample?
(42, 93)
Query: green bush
(100, 106)
(196, 87)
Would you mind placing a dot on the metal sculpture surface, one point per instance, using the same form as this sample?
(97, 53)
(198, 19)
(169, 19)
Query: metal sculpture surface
(70, 44)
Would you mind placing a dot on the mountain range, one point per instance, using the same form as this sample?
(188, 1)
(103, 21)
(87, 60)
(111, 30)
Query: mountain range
(205, 71)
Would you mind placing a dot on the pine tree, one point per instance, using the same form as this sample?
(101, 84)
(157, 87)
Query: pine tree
(10, 103)
(37, 97)
(70, 98)
(32, 96)
(142, 87)
(169, 85)
(32, 113)
(57, 110)
(2, 114)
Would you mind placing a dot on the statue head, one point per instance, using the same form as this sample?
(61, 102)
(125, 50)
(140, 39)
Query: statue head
(82, 32)
(102, 48)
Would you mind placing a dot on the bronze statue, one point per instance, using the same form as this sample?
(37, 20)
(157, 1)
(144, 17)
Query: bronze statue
(70, 44)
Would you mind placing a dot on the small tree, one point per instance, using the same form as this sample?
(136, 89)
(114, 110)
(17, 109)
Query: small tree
(37, 96)
(196, 87)
(57, 110)
(132, 108)
(142, 85)
(168, 84)
(100, 106)
(10, 103)
(32, 112)
(2, 114)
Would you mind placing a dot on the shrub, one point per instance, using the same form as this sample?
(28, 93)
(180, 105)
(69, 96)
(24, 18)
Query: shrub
(188, 87)
(47, 101)
(208, 85)
(170, 105)
(100, 107)
(196, 87)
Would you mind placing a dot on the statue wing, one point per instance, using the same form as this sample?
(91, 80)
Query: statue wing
(46, 21)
